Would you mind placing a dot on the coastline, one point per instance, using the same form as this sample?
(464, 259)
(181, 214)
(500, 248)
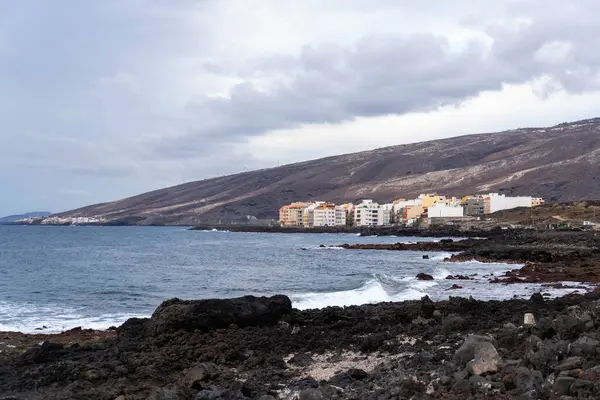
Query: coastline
(261, 348)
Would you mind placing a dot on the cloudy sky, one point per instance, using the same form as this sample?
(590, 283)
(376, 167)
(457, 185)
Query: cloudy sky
(102, 99)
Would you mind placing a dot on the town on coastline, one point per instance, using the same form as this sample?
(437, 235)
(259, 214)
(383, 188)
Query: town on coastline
(425, 210)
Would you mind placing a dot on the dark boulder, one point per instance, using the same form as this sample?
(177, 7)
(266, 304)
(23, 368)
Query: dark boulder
(427, 307)
(207, 315)
(424, 277)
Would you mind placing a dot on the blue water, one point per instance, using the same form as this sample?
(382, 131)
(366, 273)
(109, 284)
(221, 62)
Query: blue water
(56, 278)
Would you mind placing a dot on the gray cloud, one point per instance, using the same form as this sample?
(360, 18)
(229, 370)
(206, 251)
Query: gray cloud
(114, 97)
(383, 75)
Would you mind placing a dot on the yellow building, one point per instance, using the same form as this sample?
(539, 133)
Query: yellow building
(427, 200)
(291, 215)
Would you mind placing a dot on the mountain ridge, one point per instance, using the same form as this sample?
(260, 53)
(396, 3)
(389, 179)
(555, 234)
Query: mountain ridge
(34, 214)
(559, 163)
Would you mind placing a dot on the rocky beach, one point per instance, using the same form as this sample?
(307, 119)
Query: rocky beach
(263, 348)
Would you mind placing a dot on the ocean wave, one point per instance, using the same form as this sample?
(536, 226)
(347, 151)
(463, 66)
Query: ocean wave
(33, 318)
(372, 291)
(441, 273)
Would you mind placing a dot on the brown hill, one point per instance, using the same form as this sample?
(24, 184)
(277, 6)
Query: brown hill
(561, 163)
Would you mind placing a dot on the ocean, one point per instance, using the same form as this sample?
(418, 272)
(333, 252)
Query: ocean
(57, 278)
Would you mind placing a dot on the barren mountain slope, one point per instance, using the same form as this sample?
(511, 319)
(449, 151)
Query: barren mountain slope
(561, 163)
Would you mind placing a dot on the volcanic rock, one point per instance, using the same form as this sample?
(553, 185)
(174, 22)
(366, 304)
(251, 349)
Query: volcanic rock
(424, 277)
(189, 315)
(467, 351)
(486, 359)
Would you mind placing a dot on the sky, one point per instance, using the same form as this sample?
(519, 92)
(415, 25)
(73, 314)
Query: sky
(104, 99)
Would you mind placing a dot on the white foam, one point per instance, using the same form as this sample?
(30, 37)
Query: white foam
(30, 318)
(441, 273)
(371, 292)
(441, 257)
(422, 285)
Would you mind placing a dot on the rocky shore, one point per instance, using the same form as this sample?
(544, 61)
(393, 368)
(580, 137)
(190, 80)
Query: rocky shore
(548, 257)
(262, 348)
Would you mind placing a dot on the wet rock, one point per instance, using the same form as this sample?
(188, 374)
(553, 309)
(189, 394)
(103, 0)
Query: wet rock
(562, 385)
(424, 277)
(454, 287)
(188, 315)
(459, 278)
(537, 298)
(425, 257)
(486, 359)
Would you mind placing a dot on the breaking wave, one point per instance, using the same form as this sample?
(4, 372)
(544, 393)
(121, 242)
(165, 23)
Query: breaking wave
(379, 289)
(30, 318)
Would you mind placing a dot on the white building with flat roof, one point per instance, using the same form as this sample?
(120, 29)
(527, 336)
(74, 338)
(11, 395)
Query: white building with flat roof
(499, 202)
(445, 210)
(368, 213)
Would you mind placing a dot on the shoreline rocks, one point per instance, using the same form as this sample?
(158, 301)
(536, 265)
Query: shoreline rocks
(261, 348)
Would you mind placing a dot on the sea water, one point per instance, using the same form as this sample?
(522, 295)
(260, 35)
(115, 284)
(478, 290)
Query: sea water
(57, 278)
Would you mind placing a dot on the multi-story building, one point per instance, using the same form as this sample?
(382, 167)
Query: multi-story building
(412, 212)
(494, 202)
(387, 210)
(474, 206)
(445, 210)
(291, 215)
(368, 213)
(429, 199)
(349, 213)
(324, 215)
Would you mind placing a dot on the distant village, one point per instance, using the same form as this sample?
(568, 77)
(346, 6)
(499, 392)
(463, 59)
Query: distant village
(54, 220)
(427, 209)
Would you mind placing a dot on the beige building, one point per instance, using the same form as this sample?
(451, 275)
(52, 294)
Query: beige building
(292, 214)
(412, 212)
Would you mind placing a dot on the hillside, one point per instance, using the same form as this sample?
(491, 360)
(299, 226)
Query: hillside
(12, 218)
(561, 163)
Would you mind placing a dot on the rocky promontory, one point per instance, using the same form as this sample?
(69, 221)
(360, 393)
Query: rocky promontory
(262, 348)
(547, 257)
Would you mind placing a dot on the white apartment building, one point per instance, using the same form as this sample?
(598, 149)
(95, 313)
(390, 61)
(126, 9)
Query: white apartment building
(340, 216)
(499, 202)
(368, 213)
(387, 210)
(322, 214)
(445, 210)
